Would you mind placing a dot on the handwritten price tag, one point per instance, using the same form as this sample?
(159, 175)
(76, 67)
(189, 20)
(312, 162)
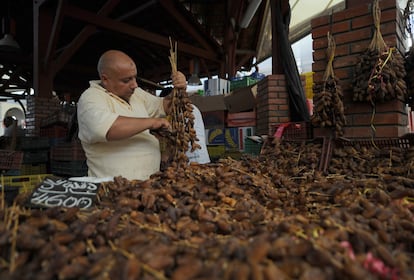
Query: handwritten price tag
(54, 192)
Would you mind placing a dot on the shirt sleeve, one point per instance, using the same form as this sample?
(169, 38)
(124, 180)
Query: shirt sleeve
(94, 118)
(153, 104)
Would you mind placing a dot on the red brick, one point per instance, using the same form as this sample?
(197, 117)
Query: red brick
(388, 28)
(319, 66)
(390, 40)
(387, 4)
(284, 107)
(355, 35)
(276, 88)
(350, 13)
(362, 21)
(339, 27)
(277, 101)
(282, 95)
(341, 50)
(389, 118)
(388, 15)
(354, 3)
(345, 61)
(395, 106)
(319, 55)
(360, 46)
(380, 131)
(323, 20)
(319, 44)
(321, 31)
(343, 73)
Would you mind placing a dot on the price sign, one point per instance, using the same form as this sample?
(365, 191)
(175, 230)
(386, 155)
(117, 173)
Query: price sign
(54, 192)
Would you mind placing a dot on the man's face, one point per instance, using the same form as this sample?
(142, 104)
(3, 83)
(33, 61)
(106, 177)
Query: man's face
(121, 79)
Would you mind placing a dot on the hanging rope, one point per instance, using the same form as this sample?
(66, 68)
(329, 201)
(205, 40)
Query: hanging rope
(377, 43)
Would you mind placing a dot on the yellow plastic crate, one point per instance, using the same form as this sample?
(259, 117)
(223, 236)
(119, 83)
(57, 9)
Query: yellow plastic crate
(24, 182)
(216, 151)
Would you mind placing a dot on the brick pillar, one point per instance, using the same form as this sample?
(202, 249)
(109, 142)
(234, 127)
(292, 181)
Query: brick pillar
(353, 29)
(272, 104)
(38, 108)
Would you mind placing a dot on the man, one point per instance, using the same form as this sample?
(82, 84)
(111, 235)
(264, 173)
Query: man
(115, 117)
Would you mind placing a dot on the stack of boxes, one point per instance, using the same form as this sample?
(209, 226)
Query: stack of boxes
(229, 116)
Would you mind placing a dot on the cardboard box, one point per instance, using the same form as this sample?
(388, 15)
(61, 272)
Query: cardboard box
(208, 103)
(215, 136)
(241, 119)
(231, 138)
(242, 99)
(214, 119)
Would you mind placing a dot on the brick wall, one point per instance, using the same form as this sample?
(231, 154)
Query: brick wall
(39, 108)
(353, 29)
(272, 104)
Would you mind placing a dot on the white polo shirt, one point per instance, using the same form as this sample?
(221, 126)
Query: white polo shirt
(136, 157)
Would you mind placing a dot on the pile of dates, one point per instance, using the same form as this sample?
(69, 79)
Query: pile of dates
(274, 216)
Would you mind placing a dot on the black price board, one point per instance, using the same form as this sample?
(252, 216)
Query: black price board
(53, 192)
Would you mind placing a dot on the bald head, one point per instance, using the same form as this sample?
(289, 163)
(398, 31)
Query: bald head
(118, 73)
(113, 60)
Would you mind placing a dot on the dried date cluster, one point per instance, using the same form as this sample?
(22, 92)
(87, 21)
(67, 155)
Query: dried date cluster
(380, 72)
(270, 217)
(328, 97)
(184, 136)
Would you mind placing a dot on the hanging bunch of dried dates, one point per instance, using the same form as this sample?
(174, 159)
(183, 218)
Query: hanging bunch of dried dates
(380, 73)
(183, 136)
(328, 96)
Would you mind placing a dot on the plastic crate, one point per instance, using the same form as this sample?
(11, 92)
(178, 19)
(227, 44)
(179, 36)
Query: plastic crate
(10, 194)
(252, 147)
(67, 152)
(216, 151)
(293, 131)
(69, 168)
(35, 157)
(24, 182)
(32, 169)
(10, 159)
(244, 82)
(34, 143)
(54, 131)
(402, 142)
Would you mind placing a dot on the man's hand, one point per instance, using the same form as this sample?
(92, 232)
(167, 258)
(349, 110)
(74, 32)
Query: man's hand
(178, 80)
(160, 123)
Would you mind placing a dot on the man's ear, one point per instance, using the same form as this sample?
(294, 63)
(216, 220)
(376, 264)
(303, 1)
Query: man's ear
(104, 79)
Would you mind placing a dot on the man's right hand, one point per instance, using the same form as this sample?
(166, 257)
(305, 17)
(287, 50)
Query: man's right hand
(160, 123)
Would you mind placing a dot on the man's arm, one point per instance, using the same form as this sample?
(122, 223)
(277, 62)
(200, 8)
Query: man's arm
(124, 127)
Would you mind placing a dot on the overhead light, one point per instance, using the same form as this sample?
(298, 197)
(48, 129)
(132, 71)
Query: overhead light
(248, 15)
(194, 79)
(8, 44)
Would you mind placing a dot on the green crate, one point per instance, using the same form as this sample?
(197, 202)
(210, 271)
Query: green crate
(252, 147)
(246, 81)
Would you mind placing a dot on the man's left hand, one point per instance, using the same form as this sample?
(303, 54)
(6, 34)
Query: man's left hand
(178, 80)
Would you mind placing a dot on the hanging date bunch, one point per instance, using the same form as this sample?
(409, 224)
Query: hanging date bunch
(328, 97)
(182, 121)
(380, 72)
